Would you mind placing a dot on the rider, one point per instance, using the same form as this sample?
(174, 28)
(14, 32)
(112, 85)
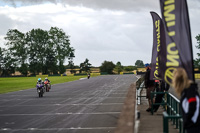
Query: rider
(40, 81)
(88, 75)
(46, 79)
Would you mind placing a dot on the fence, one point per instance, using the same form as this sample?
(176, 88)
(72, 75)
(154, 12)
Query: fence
(163, 103)
(173, 112)
(140, 86)
(138, 92)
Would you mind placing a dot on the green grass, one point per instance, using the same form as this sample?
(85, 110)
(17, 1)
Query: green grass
(21, 83)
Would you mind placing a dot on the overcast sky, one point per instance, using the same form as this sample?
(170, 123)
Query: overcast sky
(112, 30)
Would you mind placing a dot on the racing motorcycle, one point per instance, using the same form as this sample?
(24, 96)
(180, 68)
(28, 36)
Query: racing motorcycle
(47, 86)
(88, 76)
(40, 89)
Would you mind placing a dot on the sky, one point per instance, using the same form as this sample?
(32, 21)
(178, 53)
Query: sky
(99, 30)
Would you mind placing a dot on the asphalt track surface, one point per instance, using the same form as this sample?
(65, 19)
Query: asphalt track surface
(84, 106)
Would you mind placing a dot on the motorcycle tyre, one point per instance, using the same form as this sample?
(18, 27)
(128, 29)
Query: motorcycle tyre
(47, 88)
(41, 94)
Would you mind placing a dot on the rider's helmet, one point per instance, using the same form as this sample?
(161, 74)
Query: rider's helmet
(39, 79)
(46, 78)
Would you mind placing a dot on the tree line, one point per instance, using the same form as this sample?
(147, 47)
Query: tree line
(197, 60)
(36, 51)
(109, 67)
(45, 51)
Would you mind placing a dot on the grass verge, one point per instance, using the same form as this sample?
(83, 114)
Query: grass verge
(21, 83)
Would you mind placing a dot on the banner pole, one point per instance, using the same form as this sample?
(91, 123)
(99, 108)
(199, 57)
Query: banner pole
(190, 42)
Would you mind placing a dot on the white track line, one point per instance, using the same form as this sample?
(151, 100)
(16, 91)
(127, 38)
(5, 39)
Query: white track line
(69, 113)
(63, 105)
(18, 99)
(51, 129)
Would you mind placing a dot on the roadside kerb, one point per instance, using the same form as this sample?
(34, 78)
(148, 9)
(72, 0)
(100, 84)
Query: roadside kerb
(126, 121)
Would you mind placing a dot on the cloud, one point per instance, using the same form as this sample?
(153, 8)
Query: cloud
(113, 30)
(194, 13)
(127, 5)
(116, 34)
(5, 23)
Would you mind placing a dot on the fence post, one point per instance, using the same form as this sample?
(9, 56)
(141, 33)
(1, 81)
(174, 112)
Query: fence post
(165, 122)
(168, 103)
(151, 94)
(176, 113)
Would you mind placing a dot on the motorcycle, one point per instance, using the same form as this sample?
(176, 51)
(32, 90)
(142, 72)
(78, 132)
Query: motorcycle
(47, 86)
(40, 89)
(88, 76)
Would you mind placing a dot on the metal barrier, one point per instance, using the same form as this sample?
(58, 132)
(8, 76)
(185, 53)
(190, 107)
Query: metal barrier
(166, 118)
(173, 111)
(139, 90)
(163, 103)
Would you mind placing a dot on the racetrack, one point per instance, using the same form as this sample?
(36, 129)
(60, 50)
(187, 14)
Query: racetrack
(85, 106)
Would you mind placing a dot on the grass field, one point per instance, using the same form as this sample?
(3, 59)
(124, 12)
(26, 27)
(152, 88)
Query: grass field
(21, 83)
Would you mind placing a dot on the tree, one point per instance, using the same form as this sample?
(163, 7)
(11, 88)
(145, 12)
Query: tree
(118, 67)
(1, 60)
(48, 50)
(71, 63)
(139, 63)
(85, 66)
(39, 50)
(62, 46)
(71, 66)
(37, 40)
(107, 66)
(23, 69)
(8, 63)
(197, 60)
(130, 68)
(17, 48)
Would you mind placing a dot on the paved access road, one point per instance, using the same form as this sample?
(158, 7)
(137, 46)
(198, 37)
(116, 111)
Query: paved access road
(84, 106)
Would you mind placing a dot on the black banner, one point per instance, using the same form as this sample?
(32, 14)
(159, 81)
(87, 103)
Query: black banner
(155, 72)
(159, 48)
(178, 38)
